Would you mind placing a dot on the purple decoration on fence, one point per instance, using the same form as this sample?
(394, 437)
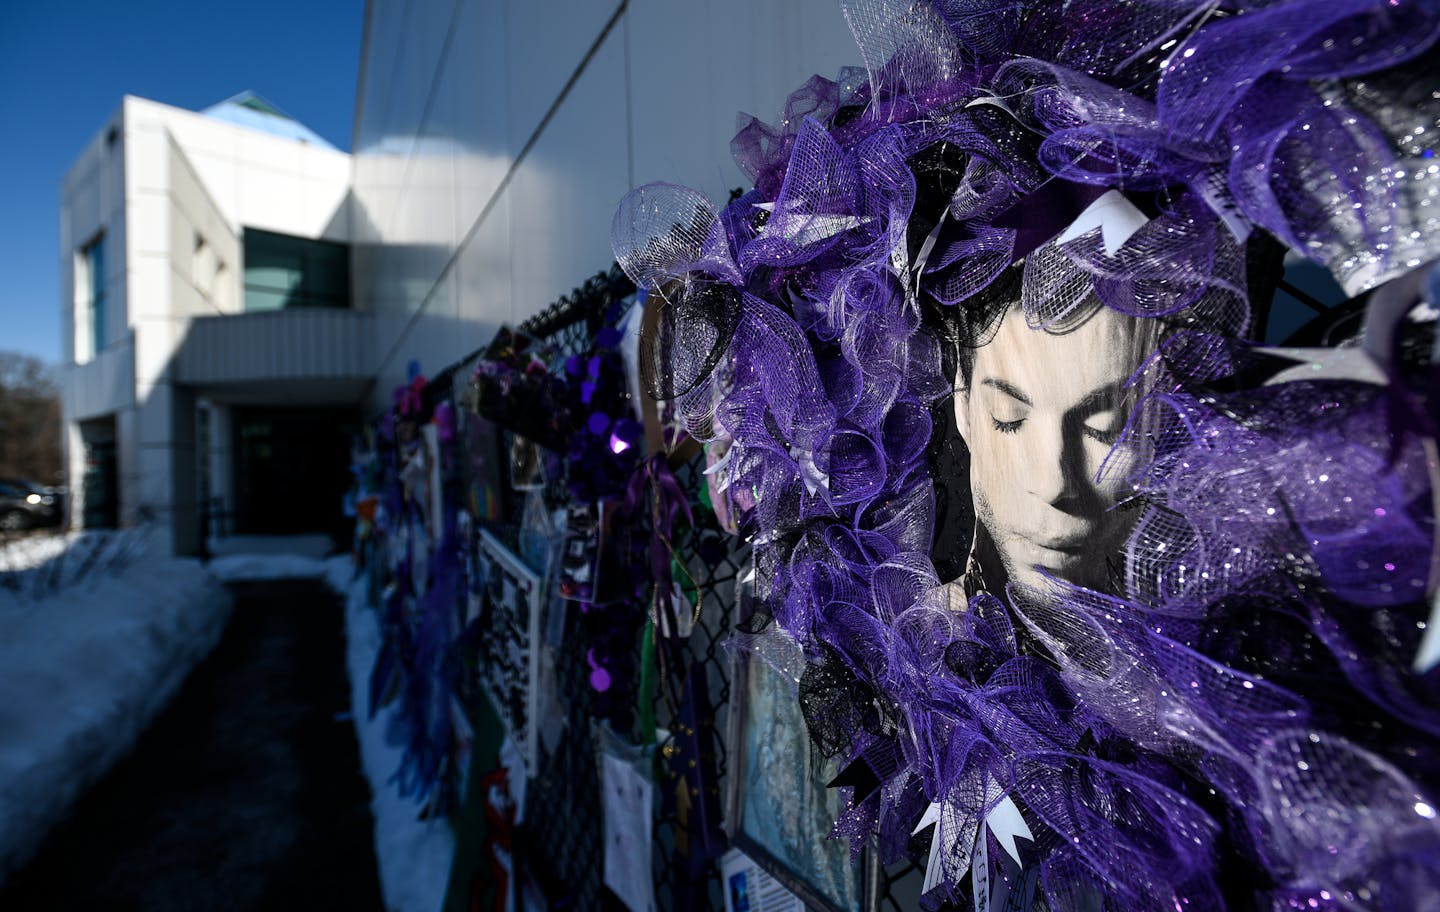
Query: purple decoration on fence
(1233, 720)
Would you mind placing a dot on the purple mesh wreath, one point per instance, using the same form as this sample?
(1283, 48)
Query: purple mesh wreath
(1234, 723)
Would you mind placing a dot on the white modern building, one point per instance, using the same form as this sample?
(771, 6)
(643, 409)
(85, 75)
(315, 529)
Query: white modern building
(214, 343)
(213, 353)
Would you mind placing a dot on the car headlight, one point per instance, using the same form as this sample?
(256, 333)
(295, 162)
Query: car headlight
(32, 499)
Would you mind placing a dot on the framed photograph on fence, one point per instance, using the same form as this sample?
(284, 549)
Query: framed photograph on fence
(779, 809)
(511, 600)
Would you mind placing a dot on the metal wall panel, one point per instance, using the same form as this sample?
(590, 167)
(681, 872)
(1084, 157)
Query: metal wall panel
(277, 345)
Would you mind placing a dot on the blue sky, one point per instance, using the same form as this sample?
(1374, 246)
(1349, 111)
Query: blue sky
(65, 66)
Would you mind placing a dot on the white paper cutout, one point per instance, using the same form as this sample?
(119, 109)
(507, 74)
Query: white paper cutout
(630, 348)
(434, 486)
(1116, 217)
(1325, 363)
(933, 866)
(1004, 820)
(1006, 823)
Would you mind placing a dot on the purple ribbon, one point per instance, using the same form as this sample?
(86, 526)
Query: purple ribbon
(653, 485)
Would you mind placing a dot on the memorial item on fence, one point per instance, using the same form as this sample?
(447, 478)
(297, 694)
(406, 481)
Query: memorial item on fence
(691, 789)
(778, 801)
(1101, 605)
(415, 558)
(629, 802)
(518, 391)
(482, 471)
(750, 888)
(519, 624)
(510, 618)
(490, 806)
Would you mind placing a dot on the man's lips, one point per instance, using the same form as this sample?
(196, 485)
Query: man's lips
(1067, 544)
(1065, 548)
(1060, 556)
(1055, 555)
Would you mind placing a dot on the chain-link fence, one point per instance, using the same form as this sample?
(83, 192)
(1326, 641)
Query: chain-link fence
(562, 841)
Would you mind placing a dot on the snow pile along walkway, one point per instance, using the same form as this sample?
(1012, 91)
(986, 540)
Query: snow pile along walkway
(41, 566)
(414, 855)
(83, 669)
(34, 550)
(250, 558)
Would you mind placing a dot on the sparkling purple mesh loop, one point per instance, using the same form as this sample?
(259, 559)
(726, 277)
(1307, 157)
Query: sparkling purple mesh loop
(1235, 722)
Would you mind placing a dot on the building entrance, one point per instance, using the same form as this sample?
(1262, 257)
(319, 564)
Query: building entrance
(290, 470)
(100, 487)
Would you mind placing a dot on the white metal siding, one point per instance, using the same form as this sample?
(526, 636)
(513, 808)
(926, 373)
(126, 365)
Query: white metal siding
(277, 345)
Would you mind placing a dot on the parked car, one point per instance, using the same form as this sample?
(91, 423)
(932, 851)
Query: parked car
(27, 505)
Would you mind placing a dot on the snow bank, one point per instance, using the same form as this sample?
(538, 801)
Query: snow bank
(33, 550)
(40, 566)
(92, 650)
(413, 855)
(249, 567)
(246, 558)
(83, 670)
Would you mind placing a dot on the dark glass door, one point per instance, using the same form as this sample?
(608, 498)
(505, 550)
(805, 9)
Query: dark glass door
(291, 470)
(102, 491)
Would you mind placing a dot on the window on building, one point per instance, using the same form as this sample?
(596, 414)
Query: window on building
(283, 271)
(90, 290)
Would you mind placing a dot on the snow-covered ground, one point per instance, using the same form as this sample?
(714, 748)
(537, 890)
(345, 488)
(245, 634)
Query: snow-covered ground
(260, 557)
(39, 566)
(96, 635)
(27, 552)
(95, 638)
(414, 855)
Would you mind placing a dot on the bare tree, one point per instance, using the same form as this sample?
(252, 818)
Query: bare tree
(29, 419)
